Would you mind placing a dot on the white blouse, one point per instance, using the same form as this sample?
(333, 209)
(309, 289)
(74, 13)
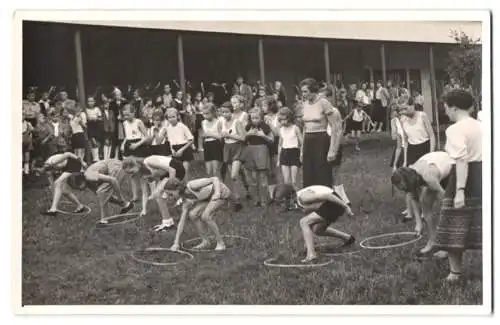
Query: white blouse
(178, 134)
(416, 133)
(464, 140)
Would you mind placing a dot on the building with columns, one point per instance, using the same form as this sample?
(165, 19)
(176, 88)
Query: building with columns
(85, 54)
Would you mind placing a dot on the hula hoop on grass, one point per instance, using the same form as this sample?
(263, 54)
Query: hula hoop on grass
(159, 249)
(106, 225)
(208, 250)
(363, 242)
(269, 263)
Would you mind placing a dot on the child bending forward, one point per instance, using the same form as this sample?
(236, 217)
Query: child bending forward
(202, 198)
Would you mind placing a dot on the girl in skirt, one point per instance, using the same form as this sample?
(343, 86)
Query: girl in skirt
(357, 116)
(94, 127)
(27, 144)
(460, 224)
(233, 135)
(155, 171)
(105, 178)
(78, 124)
(425, 182)
(202, 199)
(399, 155)
(290, 142)
(157, 134)
(323, 207)
(256, 156)
(212, 144)
(67, 164)
(109, 132)
(180, 139)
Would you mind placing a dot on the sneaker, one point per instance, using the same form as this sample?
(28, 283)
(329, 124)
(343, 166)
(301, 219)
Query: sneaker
(128, 207)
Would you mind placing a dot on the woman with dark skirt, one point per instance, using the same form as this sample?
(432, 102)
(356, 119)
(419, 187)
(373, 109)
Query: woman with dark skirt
(460, 224)
(320, 152)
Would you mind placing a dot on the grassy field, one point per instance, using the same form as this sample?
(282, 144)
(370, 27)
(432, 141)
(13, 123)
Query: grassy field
(66, 262)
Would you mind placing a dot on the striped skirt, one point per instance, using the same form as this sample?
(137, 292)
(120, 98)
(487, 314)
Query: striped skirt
(462, 228)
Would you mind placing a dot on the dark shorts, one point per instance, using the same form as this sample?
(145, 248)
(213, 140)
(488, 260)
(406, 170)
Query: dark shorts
(95, 130)
(72, 166)
(356, 125)
(213, 150)
(330, 211)
(290, 157)
(160, 150)
(187, 155)
(180, 172)
(141, 151)
(416, 151)
(78, 141)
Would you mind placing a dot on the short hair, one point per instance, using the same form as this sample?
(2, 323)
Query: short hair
(327, 91)
(158, 113)
(258, 102)
(129, 162)
(255, 110)
(240, 98)
(210, 94)
(311, 84)
(287, 113)
(210, 107)
(128, 107)
(272, 104)
(228, 105)
(171, 110)
(77, 181)
(408, 180)
(281, 192)
(460, 99)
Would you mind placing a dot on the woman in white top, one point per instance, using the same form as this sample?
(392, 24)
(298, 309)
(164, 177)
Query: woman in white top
(460, 224)
(424, 181)
(202, 199)
(212, 144)
(418, 131)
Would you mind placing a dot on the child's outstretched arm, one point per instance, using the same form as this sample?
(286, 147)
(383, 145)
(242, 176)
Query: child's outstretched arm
(182, 222)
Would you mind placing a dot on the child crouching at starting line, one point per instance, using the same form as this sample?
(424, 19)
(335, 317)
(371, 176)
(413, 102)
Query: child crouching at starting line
(202, 199)
(323, 206)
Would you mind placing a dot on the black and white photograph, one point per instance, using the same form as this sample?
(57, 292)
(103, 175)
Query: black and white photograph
(236, 162)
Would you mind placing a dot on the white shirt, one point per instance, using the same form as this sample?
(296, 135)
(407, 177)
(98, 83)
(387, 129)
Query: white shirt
(440, 159)
(132, 130)
(357, 116)
(156, 160)
(178, 134)
(151, 133)
(317, 189)
(288, 136)
(56, 128)
(93, 113)
(75, 125)
(464, 140)
(362, 97)
(210, 126)
(416, 133)
(229, 127)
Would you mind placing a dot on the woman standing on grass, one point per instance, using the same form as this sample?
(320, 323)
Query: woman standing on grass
(460, 224)
(320, 152)
(419, 136)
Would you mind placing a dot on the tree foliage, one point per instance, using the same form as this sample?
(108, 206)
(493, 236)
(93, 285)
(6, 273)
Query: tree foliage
(464, 61)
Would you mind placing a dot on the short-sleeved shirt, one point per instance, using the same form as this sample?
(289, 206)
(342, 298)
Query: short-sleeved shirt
(255, 139)
(440, 159)
(315, 115)
(178, 134)
(464, 140)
